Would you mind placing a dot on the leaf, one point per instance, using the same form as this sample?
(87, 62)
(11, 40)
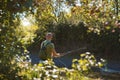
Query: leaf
(107, 27)
(82, 55)
(40, 64)
(74, 60)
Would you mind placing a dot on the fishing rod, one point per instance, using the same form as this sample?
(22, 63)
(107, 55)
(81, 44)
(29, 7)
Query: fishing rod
(68, 52)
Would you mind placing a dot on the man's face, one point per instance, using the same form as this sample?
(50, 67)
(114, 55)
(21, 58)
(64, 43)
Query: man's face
(49, 36)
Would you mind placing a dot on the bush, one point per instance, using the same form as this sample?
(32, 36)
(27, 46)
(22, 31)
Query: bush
(47, 70)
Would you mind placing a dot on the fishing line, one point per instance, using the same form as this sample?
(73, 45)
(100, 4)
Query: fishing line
(61, 62)
(68, 52)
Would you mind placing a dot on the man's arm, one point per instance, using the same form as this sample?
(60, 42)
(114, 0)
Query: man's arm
(55, 54)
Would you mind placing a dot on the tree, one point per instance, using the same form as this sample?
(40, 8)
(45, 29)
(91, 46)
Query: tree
(10, 44)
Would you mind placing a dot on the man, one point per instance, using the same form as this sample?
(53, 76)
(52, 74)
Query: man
(47, 50)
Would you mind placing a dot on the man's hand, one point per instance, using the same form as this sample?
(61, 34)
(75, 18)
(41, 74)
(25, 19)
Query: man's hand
(57, 55)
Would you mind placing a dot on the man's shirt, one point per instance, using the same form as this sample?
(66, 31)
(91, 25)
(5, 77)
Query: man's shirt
(49, 47)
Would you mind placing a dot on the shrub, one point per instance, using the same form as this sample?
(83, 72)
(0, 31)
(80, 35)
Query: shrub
(47, 70)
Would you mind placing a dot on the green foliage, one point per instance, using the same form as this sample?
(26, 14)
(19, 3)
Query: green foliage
(86, 62)
(95, 15)
(46, 70)
(93, 22)
(10, 45)
(99, 27)
(26, 30)
(69, 34)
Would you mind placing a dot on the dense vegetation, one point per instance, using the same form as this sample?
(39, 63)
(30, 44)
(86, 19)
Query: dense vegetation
(95, 24)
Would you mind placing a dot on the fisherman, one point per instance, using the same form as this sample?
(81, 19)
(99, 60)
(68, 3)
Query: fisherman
(47, 50)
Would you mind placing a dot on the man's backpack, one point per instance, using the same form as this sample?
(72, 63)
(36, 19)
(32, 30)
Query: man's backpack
(42, 53)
